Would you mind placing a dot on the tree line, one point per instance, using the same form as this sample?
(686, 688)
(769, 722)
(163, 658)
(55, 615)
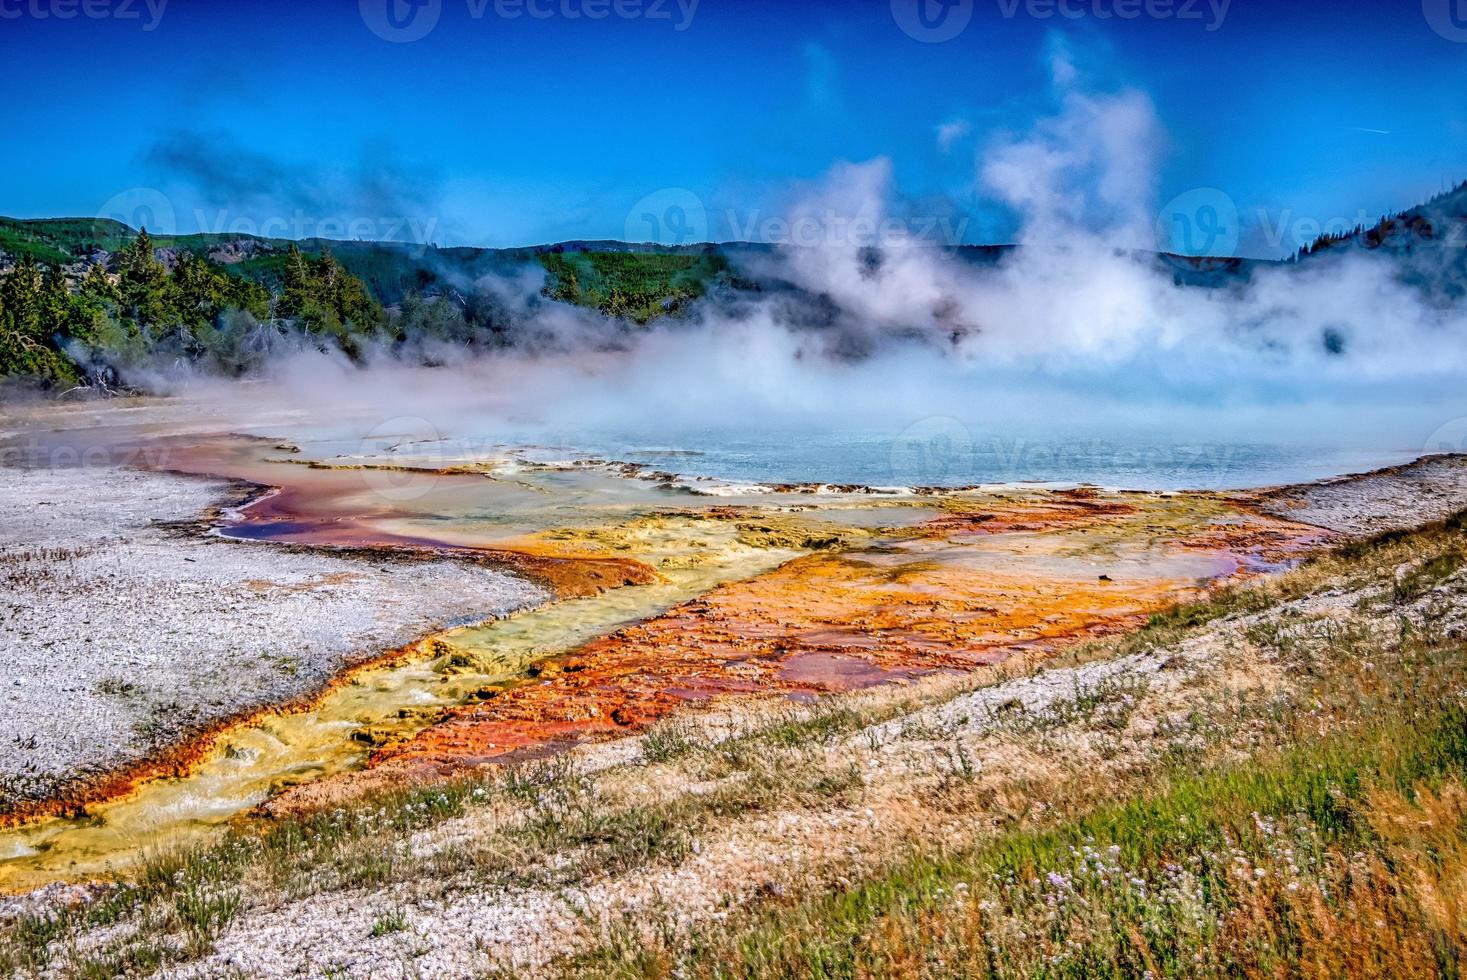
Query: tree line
(129, 316)
(141, 312)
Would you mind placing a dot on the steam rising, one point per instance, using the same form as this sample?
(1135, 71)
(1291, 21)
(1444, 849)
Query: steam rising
(1081, 330)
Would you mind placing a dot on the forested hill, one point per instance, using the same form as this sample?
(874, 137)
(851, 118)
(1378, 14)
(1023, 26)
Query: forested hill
(95, 302)
(95, 320)
(392, 271)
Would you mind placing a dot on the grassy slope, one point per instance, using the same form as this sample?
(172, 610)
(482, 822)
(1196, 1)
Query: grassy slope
(1313, 823)
(60, 240)
(639, 286)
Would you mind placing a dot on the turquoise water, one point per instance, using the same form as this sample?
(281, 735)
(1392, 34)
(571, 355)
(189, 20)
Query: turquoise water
(944, 453)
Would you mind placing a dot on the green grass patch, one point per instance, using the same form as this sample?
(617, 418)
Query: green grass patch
(638, 286)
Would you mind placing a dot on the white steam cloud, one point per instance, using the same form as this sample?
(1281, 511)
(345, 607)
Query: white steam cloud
(1081, 331)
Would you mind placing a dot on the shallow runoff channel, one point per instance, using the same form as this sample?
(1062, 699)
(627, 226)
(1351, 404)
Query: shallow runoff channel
(250, 762)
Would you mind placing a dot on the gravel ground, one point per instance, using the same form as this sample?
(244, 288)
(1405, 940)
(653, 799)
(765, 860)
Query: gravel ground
(1387, 500)
(124, 632)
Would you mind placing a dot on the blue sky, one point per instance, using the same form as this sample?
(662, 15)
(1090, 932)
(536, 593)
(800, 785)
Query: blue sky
(504, 130)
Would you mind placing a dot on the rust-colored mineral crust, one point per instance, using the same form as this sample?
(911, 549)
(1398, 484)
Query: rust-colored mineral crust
(988, 575)
(971, 587)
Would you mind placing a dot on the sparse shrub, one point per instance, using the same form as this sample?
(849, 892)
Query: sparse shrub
(205, 913)
(389, 922)
(669, 739)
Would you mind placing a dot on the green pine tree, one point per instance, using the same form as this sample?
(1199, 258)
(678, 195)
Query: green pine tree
(30, 307)
(145, 287)
(97, 286)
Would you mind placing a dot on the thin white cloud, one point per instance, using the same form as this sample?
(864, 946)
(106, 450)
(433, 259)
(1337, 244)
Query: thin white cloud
(950, 132)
